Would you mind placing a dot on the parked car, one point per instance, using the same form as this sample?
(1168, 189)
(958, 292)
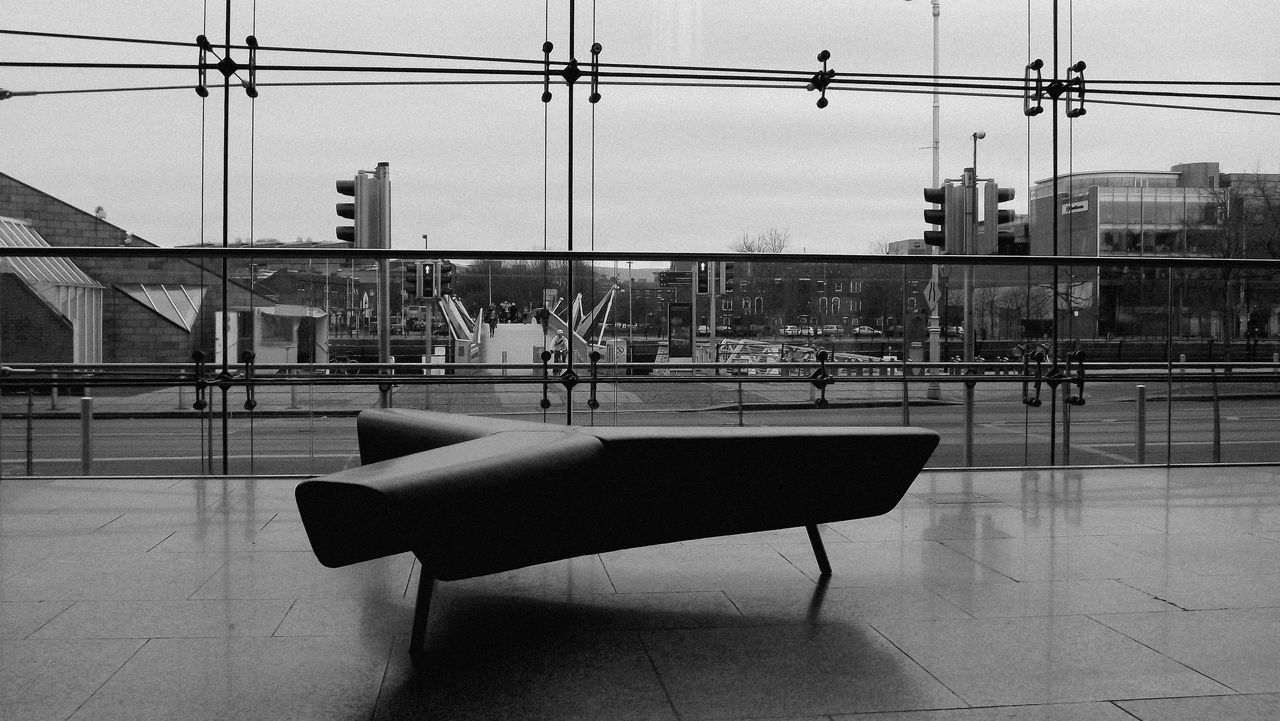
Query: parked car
(790, 330)
(703, 330)
(866, 330)
(833, 330)
(807, 330)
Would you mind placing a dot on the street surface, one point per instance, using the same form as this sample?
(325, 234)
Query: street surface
(313, 431)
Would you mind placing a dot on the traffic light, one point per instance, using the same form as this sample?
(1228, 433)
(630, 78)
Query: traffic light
(425, 273)
(370, 210)
(726, 276)
(360, 190)
(702, 276)
(445, 286)
(949, 217)
(993, 238)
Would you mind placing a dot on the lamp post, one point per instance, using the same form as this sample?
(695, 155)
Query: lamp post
(935, 330)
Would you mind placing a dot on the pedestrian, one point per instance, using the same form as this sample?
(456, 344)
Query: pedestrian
(560, 347)
(492, 318)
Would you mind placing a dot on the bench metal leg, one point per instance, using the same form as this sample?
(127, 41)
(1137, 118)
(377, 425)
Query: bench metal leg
(819, 551)
(426, 583)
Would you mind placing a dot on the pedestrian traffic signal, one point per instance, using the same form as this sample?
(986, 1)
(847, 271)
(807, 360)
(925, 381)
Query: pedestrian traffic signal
(702, 277)
(949, 218)
(993, 238)
(425, 274)
(726, 277)
(445, 286)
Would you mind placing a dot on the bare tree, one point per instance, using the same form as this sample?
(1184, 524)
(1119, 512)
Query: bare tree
(1241, 220)
(770, 241)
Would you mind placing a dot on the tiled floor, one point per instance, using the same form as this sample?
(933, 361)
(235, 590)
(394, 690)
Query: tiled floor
(1096, 594)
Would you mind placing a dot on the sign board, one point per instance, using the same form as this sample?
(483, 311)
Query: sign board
(1079, 206)
(675, 278)
(932, 294)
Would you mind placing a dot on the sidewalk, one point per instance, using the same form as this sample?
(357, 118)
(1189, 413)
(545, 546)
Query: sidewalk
(512, 394)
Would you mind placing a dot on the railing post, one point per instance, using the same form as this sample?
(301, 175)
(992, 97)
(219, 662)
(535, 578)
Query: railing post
(1141, 441)
(1066, 433)
(740, 420)
(30, 432)
(1217, 419)
(86, 435)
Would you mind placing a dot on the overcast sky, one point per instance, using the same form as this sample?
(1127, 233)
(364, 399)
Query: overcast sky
(656, 169)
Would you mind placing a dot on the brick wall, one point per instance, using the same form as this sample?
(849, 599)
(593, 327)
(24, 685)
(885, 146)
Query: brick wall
(132, 333)
(31, 331)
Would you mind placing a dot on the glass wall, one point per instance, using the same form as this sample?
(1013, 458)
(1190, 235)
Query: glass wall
(720, 206)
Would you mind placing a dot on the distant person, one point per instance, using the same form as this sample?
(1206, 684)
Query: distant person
(491, 317)
(560, 347)
(543, 315)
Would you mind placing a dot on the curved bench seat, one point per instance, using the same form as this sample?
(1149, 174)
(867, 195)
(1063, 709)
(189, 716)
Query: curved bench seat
(471, 496)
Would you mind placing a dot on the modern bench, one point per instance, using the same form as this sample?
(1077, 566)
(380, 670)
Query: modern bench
(471, 496)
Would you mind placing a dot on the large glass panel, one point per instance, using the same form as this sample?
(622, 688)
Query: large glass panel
(552, 175)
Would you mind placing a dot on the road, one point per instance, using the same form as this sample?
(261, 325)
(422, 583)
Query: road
(1103, 431)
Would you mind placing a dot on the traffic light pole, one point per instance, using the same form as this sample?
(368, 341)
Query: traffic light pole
(970, 229)
(934, 391)
(382, 180)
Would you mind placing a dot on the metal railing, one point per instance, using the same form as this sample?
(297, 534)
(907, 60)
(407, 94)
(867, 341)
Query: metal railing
(102, 420)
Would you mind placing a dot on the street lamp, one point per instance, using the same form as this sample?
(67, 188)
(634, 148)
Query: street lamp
(934, 391)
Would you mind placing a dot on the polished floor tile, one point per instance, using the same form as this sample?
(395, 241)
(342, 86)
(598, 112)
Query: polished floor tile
(1050, 558)
(1042, 660)
(243, 678)
(112, 575)
(1239, 648)
(1026, 595)
(271, 574)
(1203, 708)
(19, 619)
(50, 679)
(895, 563)
(1049, 598)
(825, 604)
(1040, 712)
(534, 674)
(1200, 593)
(1208, 554)
(166, 619)
(702, 567)
(796, 669)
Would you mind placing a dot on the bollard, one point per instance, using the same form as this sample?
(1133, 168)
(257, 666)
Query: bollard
(53, 393)
(86, 435)
(1141, 440)
(1066, 434)
(504, 362)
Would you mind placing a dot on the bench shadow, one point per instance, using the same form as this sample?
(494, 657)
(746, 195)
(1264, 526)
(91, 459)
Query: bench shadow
(501, 656)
